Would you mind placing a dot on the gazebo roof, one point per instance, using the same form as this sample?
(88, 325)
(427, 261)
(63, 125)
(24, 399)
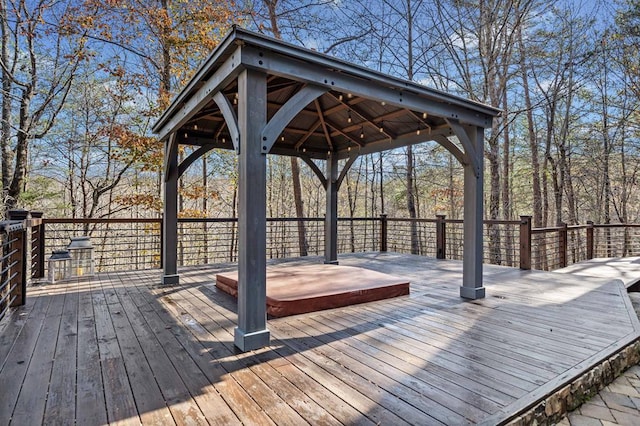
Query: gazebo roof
(357, 108)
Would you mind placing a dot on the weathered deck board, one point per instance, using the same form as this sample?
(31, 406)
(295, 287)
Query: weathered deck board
(90, 403)
(30, 406)
(61, 407)
(120, 350)
(120, 404)
(17, 360)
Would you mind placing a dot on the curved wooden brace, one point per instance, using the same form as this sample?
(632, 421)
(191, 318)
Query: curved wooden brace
(469, 145)
(286, 113)
(229, 117)
(452, 148)
(345, 169)
(316, 169)
(169, 148)
(193, 157)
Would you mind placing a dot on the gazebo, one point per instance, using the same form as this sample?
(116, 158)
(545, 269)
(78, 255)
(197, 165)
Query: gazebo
(258, 96)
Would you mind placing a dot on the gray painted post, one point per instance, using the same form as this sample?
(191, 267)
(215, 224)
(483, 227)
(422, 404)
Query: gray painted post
(384, 232)
(251, 332)
(473, 226)
(331, 216)
(170, 218)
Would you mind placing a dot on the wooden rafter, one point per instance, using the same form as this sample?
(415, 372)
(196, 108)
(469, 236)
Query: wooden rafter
(365, 118)
(324, 125)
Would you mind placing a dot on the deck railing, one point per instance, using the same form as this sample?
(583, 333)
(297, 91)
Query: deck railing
(16, 257)
(129, 244)
(123, 244)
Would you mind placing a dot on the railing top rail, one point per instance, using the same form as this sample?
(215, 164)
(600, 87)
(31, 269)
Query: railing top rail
(11, 225)
(407, 219)
(577, 227)
(94, 220)
(207, 219)
(500, 222)
(547, 229)
(617, 225)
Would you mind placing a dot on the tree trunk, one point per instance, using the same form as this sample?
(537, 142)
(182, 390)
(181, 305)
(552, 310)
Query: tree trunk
(22, 145)
(506, 186)
(533, 139)
(297, 200)
(411, 202)
(5, 134)
(165, 77)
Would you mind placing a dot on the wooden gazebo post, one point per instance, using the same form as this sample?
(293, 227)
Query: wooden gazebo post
(251, 332)
(170, 217)
(331, 213)
(472, 287)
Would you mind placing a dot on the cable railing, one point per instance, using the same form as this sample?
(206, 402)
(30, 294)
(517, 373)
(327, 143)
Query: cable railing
(15, 258)
(136, 243)
(128, 244)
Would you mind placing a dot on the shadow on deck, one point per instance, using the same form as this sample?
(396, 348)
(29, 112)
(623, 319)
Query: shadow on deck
(118, 349)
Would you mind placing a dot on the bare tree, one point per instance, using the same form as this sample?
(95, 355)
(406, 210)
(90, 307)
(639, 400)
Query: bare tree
(37, 68)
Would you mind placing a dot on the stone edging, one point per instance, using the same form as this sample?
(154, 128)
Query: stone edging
(571, 396)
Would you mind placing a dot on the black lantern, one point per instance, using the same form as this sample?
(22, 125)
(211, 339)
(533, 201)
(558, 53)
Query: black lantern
(59, 265)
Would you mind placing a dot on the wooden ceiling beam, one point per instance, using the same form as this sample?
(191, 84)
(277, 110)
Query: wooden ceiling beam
(306, 135)
(327, 135)
(391, 115)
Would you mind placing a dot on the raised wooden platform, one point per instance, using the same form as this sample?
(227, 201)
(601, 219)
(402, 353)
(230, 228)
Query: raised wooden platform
(302, 289)
(120, 350)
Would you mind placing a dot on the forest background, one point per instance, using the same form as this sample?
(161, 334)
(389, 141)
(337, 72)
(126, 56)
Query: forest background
(83, 81)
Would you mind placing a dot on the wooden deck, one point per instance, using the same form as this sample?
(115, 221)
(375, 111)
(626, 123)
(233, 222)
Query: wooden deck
(119, 350)
(626, 269)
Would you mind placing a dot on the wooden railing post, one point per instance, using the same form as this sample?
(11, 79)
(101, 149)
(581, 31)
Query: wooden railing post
(563, 244)
(525, 242)
(441, 237)
(590, 228)
(18, 258)
(37, 245)
(384, 230)
(162, 242)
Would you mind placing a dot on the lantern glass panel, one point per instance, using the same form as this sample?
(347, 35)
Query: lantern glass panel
(81, 250)
(59, 266)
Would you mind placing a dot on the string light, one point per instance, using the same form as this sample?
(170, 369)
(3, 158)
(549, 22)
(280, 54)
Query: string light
(418, 132)
(282, 138)
(424, 115)
(362, 133)
(304, 149)
(349, 95)
(382, 127)
(349, 148)
(340, 97)
(383, 103)
(195, 127)
(224, 140)
(349, 117)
